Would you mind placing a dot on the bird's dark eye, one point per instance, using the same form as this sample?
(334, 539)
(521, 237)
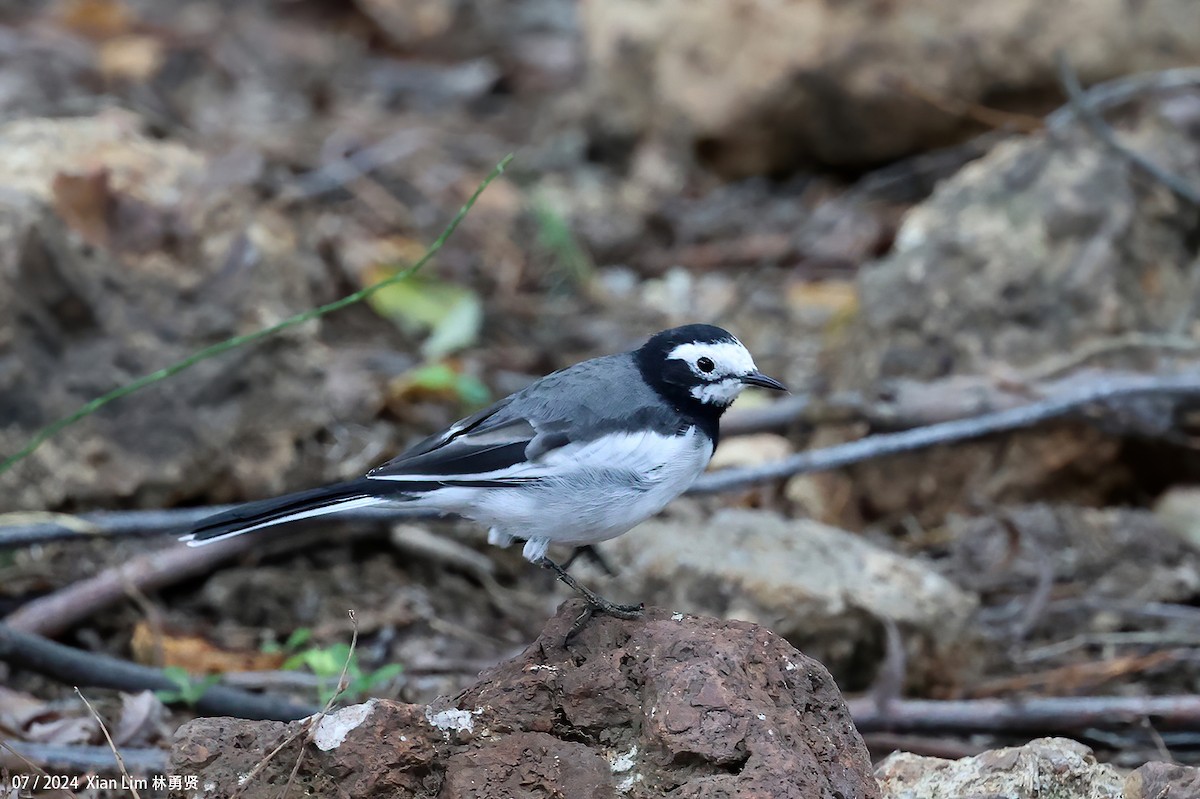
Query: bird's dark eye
(705, 365)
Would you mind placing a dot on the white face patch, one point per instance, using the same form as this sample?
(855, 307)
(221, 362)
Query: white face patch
(730, 357)
(722, 393)
(731, 361)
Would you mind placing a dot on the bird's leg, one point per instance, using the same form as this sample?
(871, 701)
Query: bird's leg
(593, 555)
(596, 603)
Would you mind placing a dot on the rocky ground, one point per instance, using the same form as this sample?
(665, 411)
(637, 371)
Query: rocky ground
(884, 206)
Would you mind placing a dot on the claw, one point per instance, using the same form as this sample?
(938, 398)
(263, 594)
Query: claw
(595, 602)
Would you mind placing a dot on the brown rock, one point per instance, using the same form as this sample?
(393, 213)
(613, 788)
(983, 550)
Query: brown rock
(1047, 245)
(757, 87)
(693, 706)
(1162, 781)
(118, 258)
(528, 763)
(1041, 768)
(827, 591)
(1122, 554)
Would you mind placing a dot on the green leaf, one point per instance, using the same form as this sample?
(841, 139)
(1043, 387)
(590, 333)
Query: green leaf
(451, 314)
(385, 673)
(433, 377)
(442, 377)
(189, 690)
(299, 637)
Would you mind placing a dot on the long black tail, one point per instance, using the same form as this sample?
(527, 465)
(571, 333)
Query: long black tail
(281, 510)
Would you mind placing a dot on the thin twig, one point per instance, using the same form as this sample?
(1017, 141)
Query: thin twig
(89, 408)
(58, 612)
(35, 519)
(305, 725)
(76, 667)
(306, 728)
(1110, 94)
(1159, 743)
(1101, 130)
(1185, 315)
(142, 523)
(1119, 638)
(882, 744)
(79, 759)
(112, 746)
(994, 118)
(1076, 677)
(798, 409)
(343, 170)
(23, 757)
(1058, 365)
(341, 687)
(878, 446)
(1033, 714)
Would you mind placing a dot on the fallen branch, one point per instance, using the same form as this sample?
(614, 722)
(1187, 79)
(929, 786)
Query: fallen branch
(1101, 130)
(76, 667)
(878, 446)
(882, 744)
(802, 409)
(58, 612)
(1041, 715)
(55, 613)
(947, 411)
(1110, 94)
(155, 522)
(78, 759)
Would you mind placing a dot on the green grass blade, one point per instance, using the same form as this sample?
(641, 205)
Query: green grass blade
(51, 430)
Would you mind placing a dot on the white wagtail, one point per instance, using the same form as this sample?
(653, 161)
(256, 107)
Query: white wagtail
(579, 456)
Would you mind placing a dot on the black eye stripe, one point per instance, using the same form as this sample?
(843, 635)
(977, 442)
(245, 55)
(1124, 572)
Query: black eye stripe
(705, 364)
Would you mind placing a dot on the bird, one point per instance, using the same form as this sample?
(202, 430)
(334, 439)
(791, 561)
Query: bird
(577, 457)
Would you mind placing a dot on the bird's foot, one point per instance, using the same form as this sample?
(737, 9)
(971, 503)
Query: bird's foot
(595, 602)
(591, 553)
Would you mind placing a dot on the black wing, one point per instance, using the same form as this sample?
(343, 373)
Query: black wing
(477, 450)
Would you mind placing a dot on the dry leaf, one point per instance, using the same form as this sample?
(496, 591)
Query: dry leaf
(84, 201)
(195, 654)
(96, 19)
(17, 710)
(64, 731)
(142, 716)
(836, 296)
(108, 219)
(135, 57)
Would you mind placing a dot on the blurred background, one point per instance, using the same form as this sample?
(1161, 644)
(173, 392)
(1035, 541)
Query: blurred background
(893, 204)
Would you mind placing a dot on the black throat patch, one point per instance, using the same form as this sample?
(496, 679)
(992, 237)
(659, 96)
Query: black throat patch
(673, 379)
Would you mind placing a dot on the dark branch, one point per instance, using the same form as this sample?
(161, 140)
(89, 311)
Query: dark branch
(57, 612)
(59, 758)
(134, 523)
(952, 410)
(1110, 94)
(1043, 715)
(877, 446)
(1101, 130)
(91, 669)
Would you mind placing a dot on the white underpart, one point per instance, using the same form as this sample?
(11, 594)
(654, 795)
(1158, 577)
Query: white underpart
(722, 385)
(586, 492)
